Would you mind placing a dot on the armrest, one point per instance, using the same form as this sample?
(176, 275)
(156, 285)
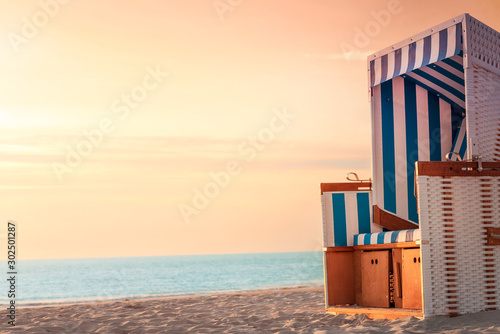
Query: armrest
(391, 221)
(345, 186)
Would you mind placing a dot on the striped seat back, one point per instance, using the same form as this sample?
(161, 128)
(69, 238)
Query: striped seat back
(418, 101)
(410, 124)
(346, 214)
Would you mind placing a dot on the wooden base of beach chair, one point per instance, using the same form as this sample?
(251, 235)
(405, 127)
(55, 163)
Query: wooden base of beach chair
(381, 281)
(375, 312)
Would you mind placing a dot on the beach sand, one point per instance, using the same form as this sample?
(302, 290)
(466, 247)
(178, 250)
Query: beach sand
(278, 311)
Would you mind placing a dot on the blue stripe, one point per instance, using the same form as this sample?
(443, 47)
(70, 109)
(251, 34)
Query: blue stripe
(412, 49)
(411, 145)
(447, 74)
(441, 84)
(450, 129)
(380, 238)
(339, 220)
(458, 45)
(388, 154)
(443, 43)
(364, 222)
(372, 73)
(434, 127)
(458, 115)
(454, 64)
(394, 236)
(384, 62)
(355, 241)
(366, 239)
(427, 50)
(397, 62)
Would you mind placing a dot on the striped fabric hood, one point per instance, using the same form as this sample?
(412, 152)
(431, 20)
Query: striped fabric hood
(418, 106)
(433, 60)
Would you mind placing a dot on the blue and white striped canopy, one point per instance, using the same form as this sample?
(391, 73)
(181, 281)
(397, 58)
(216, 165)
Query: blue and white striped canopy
(433, 48)
(434, 62)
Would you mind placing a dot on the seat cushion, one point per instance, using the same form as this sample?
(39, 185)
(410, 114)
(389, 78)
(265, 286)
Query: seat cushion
(386, 237)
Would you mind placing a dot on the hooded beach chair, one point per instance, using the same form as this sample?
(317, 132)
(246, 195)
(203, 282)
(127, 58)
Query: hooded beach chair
(423, 237)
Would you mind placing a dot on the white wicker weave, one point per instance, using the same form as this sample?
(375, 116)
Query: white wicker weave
(483, 112)
(460, 272)
(482, 89)
(481, 45)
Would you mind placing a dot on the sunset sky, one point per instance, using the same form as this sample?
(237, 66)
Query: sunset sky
(169, 93)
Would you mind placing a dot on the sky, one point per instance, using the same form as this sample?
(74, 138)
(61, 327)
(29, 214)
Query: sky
(172, 127)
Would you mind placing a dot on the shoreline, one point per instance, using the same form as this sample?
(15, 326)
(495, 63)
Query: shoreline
(288, 310)
(56, 303)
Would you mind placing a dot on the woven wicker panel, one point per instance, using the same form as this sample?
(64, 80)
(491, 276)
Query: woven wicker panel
(484, 44)
(460, 272)
(483, 111)
(493, 297)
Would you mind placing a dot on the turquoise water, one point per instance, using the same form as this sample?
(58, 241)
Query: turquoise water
(83, 280)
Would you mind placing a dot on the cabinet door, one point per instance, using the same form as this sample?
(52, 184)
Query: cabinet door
(375, 278)
(339, 278)
(412, 286)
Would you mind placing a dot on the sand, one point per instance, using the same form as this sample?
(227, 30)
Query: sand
(278, 311)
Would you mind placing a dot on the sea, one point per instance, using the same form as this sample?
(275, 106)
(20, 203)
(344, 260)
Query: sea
(42, 282)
